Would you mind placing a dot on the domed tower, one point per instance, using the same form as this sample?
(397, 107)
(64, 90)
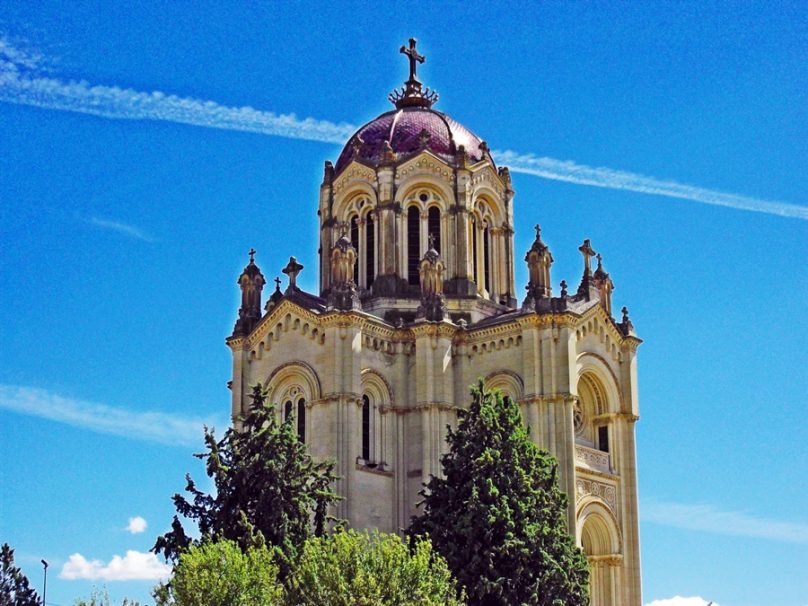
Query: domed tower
(416, 301)
(408, 175)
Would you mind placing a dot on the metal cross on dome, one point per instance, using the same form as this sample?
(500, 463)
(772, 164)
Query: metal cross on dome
(414, 57)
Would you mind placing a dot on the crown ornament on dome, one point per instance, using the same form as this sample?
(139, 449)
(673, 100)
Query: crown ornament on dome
(413, 93)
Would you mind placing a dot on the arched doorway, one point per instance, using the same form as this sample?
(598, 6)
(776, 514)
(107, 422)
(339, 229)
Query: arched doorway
(600, 541)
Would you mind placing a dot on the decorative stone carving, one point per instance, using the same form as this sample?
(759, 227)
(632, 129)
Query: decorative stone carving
(343, 295)
(431, 269)
(594, 459)
(605, 492)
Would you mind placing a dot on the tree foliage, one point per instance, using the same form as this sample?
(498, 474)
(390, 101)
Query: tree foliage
(268, 489)
(497, 514)
(15, 589)
(221, 574)
(100, 597)
(353, 568)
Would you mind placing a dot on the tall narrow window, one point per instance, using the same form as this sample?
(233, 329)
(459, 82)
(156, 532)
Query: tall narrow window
(433, 226)
(413, 244)
(486, 259)
(301, 420)
(474, 264)
(355, 244)
(370, 251)
(603, 438)
(365, 428)
(287, 410)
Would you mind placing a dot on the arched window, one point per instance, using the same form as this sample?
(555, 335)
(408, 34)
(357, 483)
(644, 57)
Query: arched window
(301, 420)
(413, 245)
(287, 410)
(474, 264)
(370, 251)
(365, 428)
(487, 259)
(433, 226)
(355, 244)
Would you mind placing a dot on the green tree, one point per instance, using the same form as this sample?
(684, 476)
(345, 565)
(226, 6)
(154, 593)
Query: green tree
(353, 568)
(14, 586)
(268, 489)
(497, 514)
(100, 597)
(221, 574)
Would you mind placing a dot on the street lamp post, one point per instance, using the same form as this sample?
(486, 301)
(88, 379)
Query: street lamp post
(45, 584)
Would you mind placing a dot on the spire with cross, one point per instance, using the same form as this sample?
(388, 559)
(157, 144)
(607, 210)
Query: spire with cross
(415, 58)
(413, 94)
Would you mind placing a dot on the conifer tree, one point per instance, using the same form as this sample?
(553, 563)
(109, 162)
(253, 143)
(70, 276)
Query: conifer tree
(14, 587)
(497, 515)
(269, 491)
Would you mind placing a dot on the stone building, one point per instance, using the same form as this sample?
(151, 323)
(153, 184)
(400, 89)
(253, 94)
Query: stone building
(417, 299)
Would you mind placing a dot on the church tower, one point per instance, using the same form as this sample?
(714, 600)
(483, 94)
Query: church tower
(417, 299)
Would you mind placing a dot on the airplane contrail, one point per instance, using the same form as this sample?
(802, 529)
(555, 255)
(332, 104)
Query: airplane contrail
(20, 83)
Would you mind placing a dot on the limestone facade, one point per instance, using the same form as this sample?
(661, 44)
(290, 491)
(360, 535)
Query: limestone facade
(417, 299)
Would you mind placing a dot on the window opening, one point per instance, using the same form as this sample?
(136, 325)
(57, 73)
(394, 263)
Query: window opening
(370, 251)
(433, 226)
(413, 245)
(603, 438)
(287, 410)
(474, 250)
(301, 420)
(366, 428)
(486, 260)
(355, 244)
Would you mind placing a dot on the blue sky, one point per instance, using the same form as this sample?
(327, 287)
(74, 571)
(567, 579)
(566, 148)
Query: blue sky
(671, 134)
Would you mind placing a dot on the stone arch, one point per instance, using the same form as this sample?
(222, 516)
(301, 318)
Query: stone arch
(508, 382)
(347, 202)
(440, 193)
(598, 371)
(377, 396)
(600, 539)
(285, 377)
(492, 213)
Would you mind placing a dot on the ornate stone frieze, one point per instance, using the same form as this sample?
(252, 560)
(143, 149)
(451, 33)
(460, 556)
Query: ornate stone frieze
(606, 492)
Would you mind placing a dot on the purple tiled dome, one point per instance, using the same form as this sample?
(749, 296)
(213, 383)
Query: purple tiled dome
(402, 128)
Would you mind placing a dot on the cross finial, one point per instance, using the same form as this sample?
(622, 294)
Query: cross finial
(600, 260)
(277, 283)
(414, 58)
(252, 255)
(537, 227)
(431, 241)
(588, 252)
(292, 269)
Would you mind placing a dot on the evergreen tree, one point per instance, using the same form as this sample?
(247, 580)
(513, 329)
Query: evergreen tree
(14, 587)
(497, 514)
(268, 489)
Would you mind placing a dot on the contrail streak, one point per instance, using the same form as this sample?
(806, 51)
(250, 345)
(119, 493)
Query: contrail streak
(21, 84)
(609, 178)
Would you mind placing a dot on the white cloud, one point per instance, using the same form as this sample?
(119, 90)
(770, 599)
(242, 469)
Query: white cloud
(680, 601)
(124, 228)
(559, 170)
(22, 83)
(136, 525)
(134, 566)
(734, 523)
(150, 426)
